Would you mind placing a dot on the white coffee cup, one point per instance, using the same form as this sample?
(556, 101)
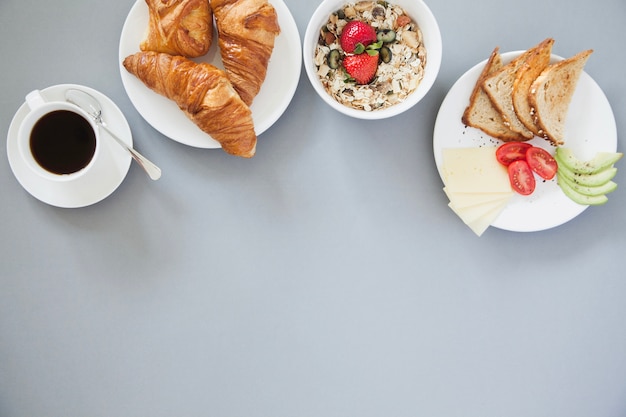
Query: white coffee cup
(57, 140)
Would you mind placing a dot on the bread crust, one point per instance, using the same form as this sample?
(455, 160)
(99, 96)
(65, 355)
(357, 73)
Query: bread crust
(499, 87)
(530, 69)
(551, 93)
(480, 113)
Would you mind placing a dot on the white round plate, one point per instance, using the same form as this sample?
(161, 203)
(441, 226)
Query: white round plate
(95, 185)
(590, 128)
(283, 75)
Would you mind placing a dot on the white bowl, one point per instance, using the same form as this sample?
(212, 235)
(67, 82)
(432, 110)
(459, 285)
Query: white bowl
(426, 21)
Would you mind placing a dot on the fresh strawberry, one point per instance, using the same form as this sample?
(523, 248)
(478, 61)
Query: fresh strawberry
(354, 33)
(362, 67)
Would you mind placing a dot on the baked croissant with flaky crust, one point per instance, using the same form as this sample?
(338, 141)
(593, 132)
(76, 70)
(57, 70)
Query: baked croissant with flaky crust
(246, 32)
(204, 93)
(179, 27)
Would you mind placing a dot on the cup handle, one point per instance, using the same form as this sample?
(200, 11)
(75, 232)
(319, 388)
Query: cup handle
(34, 99)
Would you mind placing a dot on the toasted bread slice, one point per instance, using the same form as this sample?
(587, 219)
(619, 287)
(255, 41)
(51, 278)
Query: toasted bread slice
(499, 88)
(530, 69)
(481, 114)
(551, 93)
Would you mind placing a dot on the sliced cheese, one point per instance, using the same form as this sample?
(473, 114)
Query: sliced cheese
(473, 213)
(481, 224)
(474, 170)
(476, 184)
(472, 199)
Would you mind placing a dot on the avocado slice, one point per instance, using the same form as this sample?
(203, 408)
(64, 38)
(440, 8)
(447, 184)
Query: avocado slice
(588, 180)
(602, 189)
(585, 200)
(600, 162)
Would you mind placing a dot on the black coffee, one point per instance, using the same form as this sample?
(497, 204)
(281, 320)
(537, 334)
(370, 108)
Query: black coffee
(62, 142)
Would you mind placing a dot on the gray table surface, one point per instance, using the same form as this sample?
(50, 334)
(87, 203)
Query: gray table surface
(324, 277)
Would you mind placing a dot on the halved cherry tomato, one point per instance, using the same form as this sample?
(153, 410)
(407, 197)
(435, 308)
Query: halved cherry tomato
(541, 162)
(512, 151)
(521, 177)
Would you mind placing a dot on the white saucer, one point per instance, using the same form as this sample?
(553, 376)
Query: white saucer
(96, 184)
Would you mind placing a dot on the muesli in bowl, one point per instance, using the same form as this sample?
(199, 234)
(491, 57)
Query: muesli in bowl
(401, 56)
(372, 59)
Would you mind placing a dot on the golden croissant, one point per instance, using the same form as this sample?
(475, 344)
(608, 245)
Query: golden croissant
(179, 27)
(246, 32)
(204, 93)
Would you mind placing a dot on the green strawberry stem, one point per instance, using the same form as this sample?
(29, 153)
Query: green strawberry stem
(360, 48)
(375, 46)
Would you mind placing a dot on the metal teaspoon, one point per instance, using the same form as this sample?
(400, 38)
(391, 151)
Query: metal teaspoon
(92, 106)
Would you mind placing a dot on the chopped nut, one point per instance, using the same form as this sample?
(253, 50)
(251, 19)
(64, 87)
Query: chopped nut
(363, 6)
(323, 70)
(350, 12)
(329, 38)
(410, 39)
(421, 53)
(402, 20)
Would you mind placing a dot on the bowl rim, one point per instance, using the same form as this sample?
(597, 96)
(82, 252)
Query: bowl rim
(432, 40)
